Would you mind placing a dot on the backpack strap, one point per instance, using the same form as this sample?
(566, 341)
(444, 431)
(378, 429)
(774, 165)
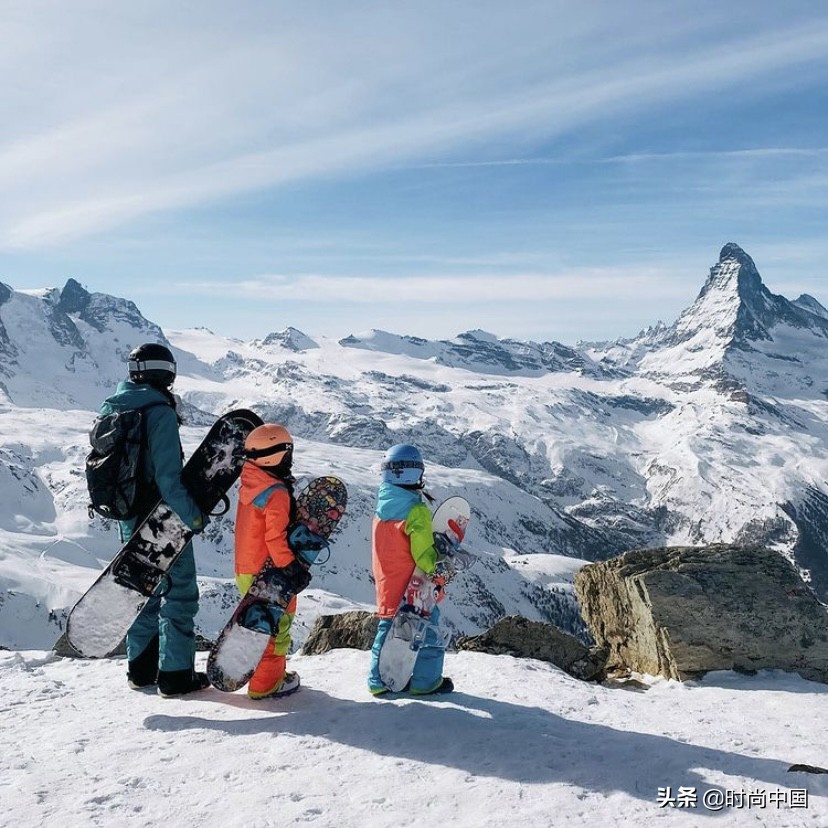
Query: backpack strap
(260, 501)
(141, 411)
(147, 493)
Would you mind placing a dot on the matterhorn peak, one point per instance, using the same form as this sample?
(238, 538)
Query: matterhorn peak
(732, 251)
(734, 278)
(734, 324)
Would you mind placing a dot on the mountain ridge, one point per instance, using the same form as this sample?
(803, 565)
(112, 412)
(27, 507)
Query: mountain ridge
(675, 437)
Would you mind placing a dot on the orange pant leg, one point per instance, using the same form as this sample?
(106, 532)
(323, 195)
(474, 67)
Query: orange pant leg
(273, 664)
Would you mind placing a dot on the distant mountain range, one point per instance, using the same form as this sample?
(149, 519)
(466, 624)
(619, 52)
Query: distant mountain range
(714, 428)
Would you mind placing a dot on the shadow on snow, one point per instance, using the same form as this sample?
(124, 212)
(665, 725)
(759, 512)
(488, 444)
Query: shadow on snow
(491, 738)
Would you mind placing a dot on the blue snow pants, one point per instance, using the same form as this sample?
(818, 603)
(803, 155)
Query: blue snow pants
(428, 668)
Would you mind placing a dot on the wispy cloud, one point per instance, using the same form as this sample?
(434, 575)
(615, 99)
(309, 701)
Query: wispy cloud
(237, 119)
(480, 289)
(749, 154)
(641, 157)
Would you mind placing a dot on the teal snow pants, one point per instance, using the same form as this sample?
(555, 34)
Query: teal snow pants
(171, 617)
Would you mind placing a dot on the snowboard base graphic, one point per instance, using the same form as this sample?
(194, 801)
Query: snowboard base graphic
(103, 615)
(240, 645)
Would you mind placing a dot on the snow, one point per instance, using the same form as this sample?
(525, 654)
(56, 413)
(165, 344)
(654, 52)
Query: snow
(519, 744)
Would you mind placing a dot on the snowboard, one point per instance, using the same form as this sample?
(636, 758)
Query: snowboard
(240, 645)
(103, 615)
(411, 623)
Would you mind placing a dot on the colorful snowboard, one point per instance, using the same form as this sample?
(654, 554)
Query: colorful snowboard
(100, 619)
(242, 642)
(411, 623)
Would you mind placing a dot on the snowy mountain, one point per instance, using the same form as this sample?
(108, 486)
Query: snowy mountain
(61, 348)
(714, 428)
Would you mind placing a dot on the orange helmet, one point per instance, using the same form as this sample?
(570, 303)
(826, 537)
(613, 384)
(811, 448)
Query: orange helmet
(268, 445)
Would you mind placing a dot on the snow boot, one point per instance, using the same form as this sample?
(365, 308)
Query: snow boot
(381, 691)
(142, 672)
(445, 685)
(172, 683)
(289, 684)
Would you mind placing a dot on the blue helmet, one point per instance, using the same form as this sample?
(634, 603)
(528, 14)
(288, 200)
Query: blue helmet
(403, 466)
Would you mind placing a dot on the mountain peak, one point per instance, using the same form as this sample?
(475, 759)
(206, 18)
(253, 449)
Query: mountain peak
(74, 298)
(732, 251)
(734, 278)
(808, 303)
(736, 324)
(291, 338)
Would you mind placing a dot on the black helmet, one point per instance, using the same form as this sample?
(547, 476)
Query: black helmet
(153, 364)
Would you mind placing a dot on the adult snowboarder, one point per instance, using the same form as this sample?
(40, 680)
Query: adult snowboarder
(266, 508)
(161, 641)
(402, 539)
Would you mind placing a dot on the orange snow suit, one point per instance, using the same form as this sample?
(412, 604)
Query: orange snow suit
(262, 519)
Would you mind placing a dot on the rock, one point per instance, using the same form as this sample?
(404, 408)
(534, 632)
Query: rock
(355, 629)
(806, 769)
(683, 611)
(519, 637)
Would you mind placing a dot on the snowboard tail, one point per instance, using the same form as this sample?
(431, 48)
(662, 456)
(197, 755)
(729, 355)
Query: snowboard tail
(103, 615)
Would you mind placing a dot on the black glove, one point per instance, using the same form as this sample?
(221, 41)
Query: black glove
(296, 575)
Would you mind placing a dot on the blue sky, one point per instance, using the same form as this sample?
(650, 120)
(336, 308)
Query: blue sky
(546, 170)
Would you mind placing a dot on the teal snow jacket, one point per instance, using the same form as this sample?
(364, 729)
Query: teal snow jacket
(162, 455)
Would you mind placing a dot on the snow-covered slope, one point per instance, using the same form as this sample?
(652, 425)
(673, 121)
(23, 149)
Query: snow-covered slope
(714, 428)
(519, 744)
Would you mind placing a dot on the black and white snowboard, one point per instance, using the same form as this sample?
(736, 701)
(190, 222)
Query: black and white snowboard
(241, 643)
(100, 619)
(411, 623)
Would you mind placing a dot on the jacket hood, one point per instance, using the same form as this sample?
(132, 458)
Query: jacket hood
(394, 502)
(254, 480)
(130, 395)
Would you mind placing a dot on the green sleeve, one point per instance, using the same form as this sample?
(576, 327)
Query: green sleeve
(165, 456)
(418, 528)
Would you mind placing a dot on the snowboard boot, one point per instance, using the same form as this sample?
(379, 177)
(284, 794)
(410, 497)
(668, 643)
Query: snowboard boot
(289, 684)
(142, 672)
(445, 685)
(381, 691)
(172, 683)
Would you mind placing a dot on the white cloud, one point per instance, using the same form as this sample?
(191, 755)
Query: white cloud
(160, 122)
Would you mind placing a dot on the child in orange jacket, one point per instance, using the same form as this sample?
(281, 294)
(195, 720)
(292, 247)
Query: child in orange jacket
(265, 511)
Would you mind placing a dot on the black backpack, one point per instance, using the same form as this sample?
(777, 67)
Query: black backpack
(113, 467)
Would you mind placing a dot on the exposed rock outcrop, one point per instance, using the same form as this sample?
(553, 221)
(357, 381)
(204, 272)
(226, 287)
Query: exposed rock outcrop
(522, 638)
(682, 611)
(355, 629)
